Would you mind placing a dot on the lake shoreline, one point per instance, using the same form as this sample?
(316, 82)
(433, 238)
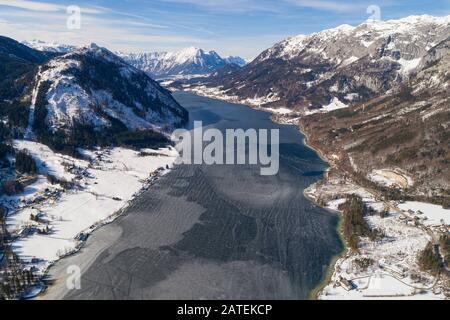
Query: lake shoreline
(315, 293)
(277, 118)
(154, 176)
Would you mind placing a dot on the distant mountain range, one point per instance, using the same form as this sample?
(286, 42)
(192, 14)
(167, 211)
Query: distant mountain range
(86, 97)
(187, 62)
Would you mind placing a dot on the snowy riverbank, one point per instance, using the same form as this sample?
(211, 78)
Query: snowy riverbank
(49, 221)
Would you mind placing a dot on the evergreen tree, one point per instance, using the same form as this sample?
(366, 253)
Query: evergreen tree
(25, 163)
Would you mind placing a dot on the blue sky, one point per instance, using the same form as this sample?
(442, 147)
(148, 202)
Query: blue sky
(231, 27)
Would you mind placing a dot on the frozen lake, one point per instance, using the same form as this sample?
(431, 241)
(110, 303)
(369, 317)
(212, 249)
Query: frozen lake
(215, 232)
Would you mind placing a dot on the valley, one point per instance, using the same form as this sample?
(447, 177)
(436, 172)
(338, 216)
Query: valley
(360, 207)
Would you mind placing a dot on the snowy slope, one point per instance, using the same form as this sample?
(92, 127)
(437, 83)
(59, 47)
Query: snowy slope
(107, 180)
(91, 85)
(406, 38)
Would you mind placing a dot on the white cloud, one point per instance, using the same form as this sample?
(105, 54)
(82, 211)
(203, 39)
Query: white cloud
(274, 6)
(233, 5)
(115, 34)
(339, 6)
(125, 32)
(45, 6)
(31, 5)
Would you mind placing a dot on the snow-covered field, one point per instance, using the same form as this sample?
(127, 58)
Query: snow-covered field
(104, 183)
(393, 270)
(281, 111)
(434, 215)
(391, 178)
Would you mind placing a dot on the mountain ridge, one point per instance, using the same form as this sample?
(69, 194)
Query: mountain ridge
(352, 64)
(407, 128)
(86, 97)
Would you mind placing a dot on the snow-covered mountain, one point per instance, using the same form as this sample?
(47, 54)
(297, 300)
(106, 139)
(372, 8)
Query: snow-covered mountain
(92, 77)
(190, 61)
(407, 127)
(86, 97)
(351, 64)
(235, 60)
